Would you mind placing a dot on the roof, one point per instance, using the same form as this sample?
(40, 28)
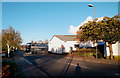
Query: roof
(66, 37)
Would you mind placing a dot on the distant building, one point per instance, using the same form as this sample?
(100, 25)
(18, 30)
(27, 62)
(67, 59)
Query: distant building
(57, 42)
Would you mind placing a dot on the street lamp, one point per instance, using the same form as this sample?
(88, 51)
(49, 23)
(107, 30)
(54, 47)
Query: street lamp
(95, 18)
(94, 7)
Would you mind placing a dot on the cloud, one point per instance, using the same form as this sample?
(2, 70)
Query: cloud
(73, 29)
(99, 19)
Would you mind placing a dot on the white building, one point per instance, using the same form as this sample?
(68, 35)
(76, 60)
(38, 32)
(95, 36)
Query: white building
(115, 48)
(68, 41)
(57, 41)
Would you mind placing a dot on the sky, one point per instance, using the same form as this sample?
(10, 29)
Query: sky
(42, 20)
(60, 0)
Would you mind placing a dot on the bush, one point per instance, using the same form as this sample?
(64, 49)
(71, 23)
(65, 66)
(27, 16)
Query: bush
(8, 69)
(99, 56)
(86, 50)
(85, 54)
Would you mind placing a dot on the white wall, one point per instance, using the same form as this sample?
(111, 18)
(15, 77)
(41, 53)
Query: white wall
(69, 44)
(115, 48)
(55, 45)
(118, 48)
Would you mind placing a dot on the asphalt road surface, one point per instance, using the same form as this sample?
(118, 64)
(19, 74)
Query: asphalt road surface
(50, 66)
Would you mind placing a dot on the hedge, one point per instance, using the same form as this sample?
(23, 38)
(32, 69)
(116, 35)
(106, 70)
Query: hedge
(86, 50)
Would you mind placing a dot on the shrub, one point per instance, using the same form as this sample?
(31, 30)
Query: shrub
(86, 50)
(8, 69)
(85, 54)
(99, 56)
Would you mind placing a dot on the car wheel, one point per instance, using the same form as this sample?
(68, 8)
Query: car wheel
(32, 52)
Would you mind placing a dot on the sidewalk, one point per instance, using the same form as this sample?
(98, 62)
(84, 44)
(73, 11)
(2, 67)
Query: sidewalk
(92, 59)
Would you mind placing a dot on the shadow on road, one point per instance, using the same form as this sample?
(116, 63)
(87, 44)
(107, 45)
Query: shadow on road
(77, 70)
(68, 65)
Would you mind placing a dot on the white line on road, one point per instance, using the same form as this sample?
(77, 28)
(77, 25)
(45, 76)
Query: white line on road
(26, 60)
(117, 74)
(21, 59)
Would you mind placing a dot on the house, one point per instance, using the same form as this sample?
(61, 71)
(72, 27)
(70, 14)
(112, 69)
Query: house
(57, 41)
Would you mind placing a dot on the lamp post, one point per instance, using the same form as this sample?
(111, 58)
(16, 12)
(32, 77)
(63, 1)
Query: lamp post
(95, 18)
(94, 7)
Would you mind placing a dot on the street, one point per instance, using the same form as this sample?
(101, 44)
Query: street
(51, 65)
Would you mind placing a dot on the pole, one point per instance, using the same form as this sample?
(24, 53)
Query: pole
(96, 40)
(96, 50)
(95, 12)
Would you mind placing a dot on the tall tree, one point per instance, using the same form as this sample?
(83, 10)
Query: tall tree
(107, 30)
(10, 38)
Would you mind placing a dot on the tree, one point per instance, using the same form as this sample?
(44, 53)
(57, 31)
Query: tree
(107, 30)
(46, 41)
(110, 31)
(32, 41)
(10, 38)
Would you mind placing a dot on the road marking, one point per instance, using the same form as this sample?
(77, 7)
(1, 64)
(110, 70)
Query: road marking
(26, 60)
(21, 59)
(117, 74)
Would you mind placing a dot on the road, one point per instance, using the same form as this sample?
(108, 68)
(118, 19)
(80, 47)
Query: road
(50, 66)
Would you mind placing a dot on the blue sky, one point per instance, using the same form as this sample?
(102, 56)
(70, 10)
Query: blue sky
(41, 20)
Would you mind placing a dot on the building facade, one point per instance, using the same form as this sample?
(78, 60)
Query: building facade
(57, 41)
